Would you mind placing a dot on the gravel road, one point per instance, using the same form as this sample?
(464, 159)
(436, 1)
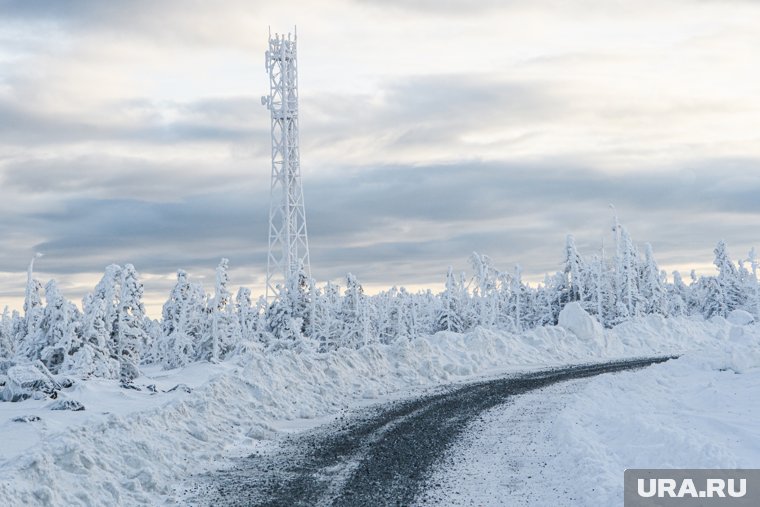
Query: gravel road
(382, 455)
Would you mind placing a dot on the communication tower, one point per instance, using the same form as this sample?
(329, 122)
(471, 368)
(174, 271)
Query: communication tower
(288, 242)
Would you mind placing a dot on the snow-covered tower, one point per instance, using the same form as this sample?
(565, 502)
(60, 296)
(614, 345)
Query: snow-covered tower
(288, 243)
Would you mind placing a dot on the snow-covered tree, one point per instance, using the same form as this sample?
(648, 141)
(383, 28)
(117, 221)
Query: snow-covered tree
(628, 295)
(575, 272)
(248, 315)
(353, 315)
(519, 298)
(289, 314)
(449, 317)
(484, 294)
(6, 334)
(105, 308)
(183, 323)
(729, 281)
(679, 295)
(57, 330)
(753, 287)
(718, 295)
(386, 325)
(602, 291)
(28, 336)
(130, 333)
(653, 288)
(224, 325)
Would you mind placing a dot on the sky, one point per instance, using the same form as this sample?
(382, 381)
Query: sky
(132, 132)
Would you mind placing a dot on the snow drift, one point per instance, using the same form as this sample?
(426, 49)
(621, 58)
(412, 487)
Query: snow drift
(699, 411)
(131, 446)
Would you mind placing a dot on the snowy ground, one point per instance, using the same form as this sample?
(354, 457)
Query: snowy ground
(569, 444)
(131, 447)
(506, 453)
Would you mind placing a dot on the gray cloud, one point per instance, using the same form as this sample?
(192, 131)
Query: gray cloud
(199, 228)
(179, 183)
(169, 22)
(205, 121)
(514, 213)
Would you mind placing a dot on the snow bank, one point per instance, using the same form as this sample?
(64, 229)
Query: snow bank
(579, 322)
(700, 411)
(740, 317)
(132, 446)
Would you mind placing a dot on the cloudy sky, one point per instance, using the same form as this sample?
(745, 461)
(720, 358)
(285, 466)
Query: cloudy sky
(131, 131)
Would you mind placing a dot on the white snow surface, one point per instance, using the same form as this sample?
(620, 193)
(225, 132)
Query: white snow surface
(569, 444)
(578, 321)
(131, 447)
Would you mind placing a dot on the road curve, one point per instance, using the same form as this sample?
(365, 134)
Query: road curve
(381, 456)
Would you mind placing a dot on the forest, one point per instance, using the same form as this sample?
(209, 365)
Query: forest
(110, 336)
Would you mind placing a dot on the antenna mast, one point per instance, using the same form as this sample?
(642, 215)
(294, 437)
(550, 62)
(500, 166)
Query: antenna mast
(288, 242)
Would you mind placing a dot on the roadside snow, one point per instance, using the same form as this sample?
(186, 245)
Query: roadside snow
(134, 446)
(504, 457)
(570, 444)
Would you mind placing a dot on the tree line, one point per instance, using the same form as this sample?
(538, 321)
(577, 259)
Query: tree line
(110, 335)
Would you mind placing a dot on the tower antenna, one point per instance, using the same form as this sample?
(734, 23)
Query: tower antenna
(288, 243)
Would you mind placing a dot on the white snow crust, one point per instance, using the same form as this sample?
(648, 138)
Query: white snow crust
(568, 445)
(131, 446)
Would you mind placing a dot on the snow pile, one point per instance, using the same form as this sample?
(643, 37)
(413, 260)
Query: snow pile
(27, 381)
(576, 320)
(130, 446)
(700, 411)
(740, 317)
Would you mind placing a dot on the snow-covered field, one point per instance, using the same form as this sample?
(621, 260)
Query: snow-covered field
(131, 446)
(568, 445)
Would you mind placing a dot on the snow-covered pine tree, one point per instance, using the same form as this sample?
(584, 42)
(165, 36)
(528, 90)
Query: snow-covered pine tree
(183, 324)
(149, 352)
(409, 320)
(90, 357)
(529, 306)
(323, 306)
(224, 326)
(6, 334)
(449, 316)
(386, 326)
(18, 329)
(130, 333)
(93, 358)
(426, 308)
(314, 306)
(503, 303)
(353, 315)
(328, 327)
(628, 296)
(754, 285)
(575, 271)
(519, 298)
(600, 290)
(728, 279)
(106, 301)
(549, 300)
(653, 292)
(57, 329)
(93, 328)
(678, 296)
(247, 315)
(484, 294)
(712, 296)
(289, 315)
(27, 336)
